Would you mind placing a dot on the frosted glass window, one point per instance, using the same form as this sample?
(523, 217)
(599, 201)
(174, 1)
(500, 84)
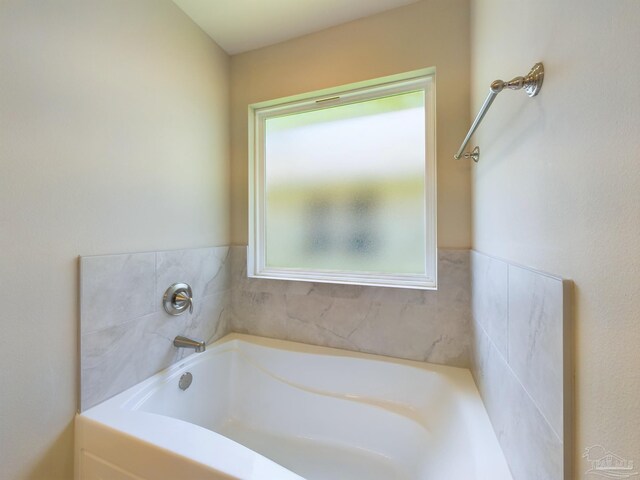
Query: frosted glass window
(344, 190)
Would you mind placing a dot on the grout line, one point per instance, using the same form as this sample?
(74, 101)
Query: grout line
(508, 316)
(120, 324)
(155, 283)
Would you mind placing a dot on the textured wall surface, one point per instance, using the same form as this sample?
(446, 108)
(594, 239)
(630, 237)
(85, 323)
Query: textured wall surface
(114, 136)
(429, 33)
(558, 185)
(521, 363)
(125, 334)
(427, 325)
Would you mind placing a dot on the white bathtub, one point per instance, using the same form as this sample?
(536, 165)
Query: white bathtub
(268, 410)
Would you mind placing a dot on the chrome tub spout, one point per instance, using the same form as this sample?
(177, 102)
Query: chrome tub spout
(184, 342)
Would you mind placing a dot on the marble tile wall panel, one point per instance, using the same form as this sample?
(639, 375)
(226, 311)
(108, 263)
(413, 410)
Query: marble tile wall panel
(531, 447)
(489, 278)
(432, 326)
(116, 289)
(536, 339)
(521, 363)
(125, 334)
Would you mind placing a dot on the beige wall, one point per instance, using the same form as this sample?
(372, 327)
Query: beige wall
(113, 138)
(558, 184)
(428, 33)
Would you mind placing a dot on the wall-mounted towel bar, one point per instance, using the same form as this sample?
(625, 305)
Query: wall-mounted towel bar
(531, 84)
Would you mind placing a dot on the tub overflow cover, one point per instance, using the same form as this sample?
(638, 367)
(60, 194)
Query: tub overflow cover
(185, 381)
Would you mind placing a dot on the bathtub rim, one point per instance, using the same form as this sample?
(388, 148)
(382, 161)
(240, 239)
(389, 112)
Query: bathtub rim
(122, 411)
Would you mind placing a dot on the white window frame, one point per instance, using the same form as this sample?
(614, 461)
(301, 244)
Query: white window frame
(258, 114)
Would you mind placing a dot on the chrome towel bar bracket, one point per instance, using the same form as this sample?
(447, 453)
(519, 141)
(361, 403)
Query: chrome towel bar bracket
(532, 83)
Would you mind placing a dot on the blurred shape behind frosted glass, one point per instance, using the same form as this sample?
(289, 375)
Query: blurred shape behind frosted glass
(345, 187)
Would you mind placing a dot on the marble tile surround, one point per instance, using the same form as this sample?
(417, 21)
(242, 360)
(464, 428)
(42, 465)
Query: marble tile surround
(432, 326)
(521, 364)
(125, 334)
(508, 323)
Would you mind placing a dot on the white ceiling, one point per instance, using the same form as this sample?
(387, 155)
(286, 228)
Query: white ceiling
(242, 25)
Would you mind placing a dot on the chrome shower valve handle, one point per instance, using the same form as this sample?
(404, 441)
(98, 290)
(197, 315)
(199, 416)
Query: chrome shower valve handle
(177, 299)
(180, 300)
